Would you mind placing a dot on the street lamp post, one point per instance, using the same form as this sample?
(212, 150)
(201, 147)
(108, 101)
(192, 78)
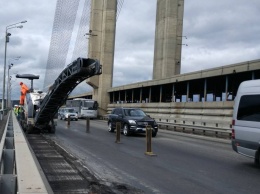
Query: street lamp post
(8, 85)
(10, 65)
(6, 41)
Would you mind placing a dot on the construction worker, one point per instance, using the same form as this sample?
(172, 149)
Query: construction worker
(16, 110)
(24, 90)
(20, 112)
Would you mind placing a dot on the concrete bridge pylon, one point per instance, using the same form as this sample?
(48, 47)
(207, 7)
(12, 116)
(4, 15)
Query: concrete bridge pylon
(168, 43)
(168, 38)
(101, 47)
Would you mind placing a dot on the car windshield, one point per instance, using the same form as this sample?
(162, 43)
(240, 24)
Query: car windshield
(134, 112)
(69, 110)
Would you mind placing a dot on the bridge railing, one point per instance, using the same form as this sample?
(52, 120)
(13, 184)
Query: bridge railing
(3, 113)
(20, 171)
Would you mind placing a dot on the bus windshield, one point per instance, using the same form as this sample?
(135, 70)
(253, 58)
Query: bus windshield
(91, 105)
(84, 107)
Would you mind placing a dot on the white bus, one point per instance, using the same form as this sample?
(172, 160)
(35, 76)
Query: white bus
(84, 107)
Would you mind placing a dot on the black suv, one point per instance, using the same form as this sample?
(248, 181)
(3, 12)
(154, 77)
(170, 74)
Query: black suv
(133, 120)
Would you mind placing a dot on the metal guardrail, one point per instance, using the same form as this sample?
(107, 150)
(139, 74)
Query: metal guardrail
(204, 129)
(3, 113)
(19, 170)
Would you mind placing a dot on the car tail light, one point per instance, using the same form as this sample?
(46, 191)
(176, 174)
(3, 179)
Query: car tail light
(233, 130)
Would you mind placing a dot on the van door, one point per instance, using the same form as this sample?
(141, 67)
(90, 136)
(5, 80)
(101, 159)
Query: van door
(247, 124)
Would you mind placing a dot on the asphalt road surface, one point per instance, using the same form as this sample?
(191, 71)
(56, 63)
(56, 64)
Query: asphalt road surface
(183, 163)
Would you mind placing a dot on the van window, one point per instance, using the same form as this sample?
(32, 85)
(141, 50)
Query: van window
(249, 108)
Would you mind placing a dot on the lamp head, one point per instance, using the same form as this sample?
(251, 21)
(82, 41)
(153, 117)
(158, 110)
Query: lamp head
(7, 37)
(23, 21)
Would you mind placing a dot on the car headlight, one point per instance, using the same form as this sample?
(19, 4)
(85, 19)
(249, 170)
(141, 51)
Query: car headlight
(131, 121)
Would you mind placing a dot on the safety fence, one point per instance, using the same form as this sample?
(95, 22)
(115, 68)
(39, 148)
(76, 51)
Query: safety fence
(19, 170)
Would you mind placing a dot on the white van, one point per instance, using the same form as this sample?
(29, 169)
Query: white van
(246, 120)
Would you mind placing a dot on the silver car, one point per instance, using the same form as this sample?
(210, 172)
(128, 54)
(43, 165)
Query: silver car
(65, 113)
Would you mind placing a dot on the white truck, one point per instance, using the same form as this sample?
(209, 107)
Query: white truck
(246, 120)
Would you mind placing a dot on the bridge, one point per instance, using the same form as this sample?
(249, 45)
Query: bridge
(170, 97)
(199, 102)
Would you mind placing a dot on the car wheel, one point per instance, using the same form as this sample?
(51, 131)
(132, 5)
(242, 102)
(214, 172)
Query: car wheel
(60, 117)
(154, 134)
(110, 128)
(126, 130)
(76, 119)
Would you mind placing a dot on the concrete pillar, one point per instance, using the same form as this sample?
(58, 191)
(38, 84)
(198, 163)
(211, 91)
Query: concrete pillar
(253, 75)
(188, 92)
(132, 95)
(160, 100)
(150, 94)
(226, 88)
(173, 93)
(141, 95)
(113, 97)
(101, 46)
(205, 90)
(168, 38)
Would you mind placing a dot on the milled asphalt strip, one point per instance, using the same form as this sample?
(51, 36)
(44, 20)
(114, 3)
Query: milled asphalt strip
(29, 178)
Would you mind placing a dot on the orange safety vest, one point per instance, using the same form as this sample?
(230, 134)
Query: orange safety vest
(24, 90)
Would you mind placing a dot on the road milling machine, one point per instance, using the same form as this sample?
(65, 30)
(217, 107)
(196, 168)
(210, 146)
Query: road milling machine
(40, 108)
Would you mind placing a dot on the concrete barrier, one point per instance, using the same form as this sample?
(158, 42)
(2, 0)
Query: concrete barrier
(214, 117)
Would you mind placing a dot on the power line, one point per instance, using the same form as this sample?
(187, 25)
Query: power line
(63, 25)
(64, 19)
(81, 48)
(119, 7)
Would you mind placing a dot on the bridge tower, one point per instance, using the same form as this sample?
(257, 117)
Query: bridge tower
(168, 43)
(168, 38)
(101, 46)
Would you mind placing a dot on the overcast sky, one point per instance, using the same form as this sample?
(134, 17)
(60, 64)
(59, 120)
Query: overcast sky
(218, 33)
